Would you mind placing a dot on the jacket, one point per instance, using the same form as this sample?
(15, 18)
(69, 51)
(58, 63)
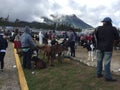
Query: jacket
(26, 39)
(105, 36)
(3, 43)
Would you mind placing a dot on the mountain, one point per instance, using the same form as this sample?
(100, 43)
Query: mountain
(47, 20)
(72, 20)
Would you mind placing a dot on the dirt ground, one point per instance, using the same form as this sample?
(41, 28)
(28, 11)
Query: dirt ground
(81, 54)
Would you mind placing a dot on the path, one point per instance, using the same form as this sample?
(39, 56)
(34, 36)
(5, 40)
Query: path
(81, 55)
(9, 77)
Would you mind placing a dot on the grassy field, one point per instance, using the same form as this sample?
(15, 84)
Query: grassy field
(70, 75)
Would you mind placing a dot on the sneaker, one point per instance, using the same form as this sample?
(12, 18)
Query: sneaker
(99, 76)
(110, 80)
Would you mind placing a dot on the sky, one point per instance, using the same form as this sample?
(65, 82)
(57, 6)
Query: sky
(90, 11)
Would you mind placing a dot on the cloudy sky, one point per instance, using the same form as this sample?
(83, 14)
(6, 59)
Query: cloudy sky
(90, 11)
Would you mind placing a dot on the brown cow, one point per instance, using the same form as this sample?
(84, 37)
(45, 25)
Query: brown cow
(47, 51)
(51, 51)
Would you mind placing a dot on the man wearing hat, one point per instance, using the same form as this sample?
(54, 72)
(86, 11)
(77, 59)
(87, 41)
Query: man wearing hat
(105, 36)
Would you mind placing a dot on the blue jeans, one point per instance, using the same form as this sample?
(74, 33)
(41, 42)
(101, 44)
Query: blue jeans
(106, 58)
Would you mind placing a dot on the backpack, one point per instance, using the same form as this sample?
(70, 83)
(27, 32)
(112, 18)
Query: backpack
(3, 43)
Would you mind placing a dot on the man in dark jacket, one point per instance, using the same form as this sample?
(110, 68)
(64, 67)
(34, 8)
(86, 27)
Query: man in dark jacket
(105, 36)
(3, 46)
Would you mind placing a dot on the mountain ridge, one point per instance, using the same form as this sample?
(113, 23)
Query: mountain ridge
(72, 20)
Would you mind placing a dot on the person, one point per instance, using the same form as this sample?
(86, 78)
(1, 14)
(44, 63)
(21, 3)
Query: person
(54, 41)
(46, 38)
(105, 36)
(12, 37)
(41, 36)
(53, 38)
(53, 35)
(71, 40)
(3, 46)
(17, 42)
(27, 44)
(90, 47)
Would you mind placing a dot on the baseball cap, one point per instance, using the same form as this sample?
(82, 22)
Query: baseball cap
(107, 19)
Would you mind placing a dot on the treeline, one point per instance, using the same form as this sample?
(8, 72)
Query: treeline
(37, 25)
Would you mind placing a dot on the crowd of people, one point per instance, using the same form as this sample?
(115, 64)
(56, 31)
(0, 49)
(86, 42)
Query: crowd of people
(101, 41)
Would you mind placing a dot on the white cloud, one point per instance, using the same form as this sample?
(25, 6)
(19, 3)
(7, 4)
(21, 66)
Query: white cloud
(38, 19)
(90, 11)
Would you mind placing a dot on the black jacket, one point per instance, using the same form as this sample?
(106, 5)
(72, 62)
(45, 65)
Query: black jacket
(105, 36)
(3, 43)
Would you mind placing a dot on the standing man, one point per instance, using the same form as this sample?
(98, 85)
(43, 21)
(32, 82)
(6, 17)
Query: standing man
(71, 40)
(105, 36)
(27, 45)
(3, 46)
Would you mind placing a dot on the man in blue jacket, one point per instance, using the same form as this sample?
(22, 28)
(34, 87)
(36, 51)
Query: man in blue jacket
(105, 37)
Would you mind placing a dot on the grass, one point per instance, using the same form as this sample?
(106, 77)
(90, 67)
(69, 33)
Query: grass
(70, 75)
